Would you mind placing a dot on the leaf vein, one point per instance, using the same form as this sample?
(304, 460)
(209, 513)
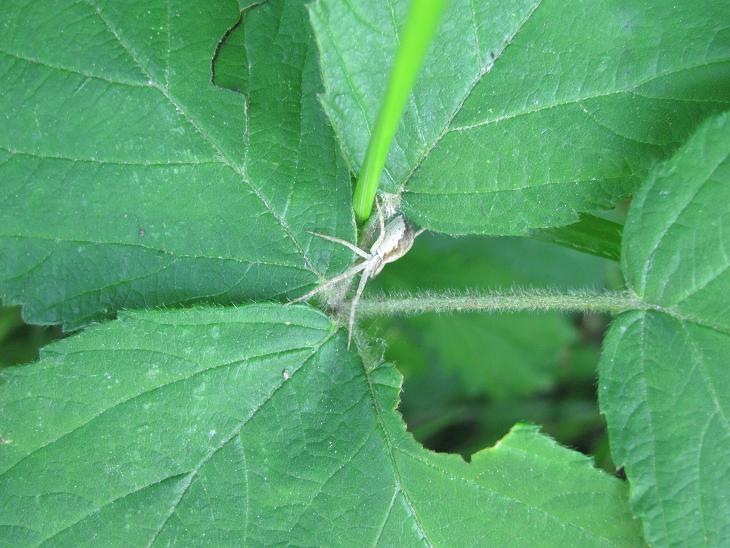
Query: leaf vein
(147, 393)
(497, 494)
(576, 100)
(486, 67)
(167, 252)
(236, 431)
(30, 60)
(688, 203)
(209, 140)
(388, 511)
(104, 161)
(389, 445)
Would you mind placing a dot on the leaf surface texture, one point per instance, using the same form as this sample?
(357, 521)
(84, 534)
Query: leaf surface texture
(664, 377)
(526, 112)
(130, 180)
(255, 426)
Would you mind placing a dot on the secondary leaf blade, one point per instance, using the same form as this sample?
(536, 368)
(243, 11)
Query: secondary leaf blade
(511, 126)
(664, 374)
(256, 425)
(590, 234)
(130, 180)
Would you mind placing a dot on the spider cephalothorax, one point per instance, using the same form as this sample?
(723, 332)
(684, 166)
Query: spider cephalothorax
(395, 239)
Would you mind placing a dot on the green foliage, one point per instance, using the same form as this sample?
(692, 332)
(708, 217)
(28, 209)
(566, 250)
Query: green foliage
(503, 355)
(257, 426)
(423, 19)
(590, 234)
(130, 180)
(157, 155)
(526, 111)
(664, 375)
(470, 377)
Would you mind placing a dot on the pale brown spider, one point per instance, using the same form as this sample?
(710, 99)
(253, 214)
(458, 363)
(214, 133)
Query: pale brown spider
(395, 239)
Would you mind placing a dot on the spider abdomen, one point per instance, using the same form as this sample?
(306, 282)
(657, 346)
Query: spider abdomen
(397, 240)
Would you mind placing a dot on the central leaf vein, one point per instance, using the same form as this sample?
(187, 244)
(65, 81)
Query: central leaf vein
(236, 431)
(206, 137)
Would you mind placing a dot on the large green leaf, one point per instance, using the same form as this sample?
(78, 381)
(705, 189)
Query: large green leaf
(665, 375)
(526, 111)
(501, 355)
(257, 426)
(130, 180)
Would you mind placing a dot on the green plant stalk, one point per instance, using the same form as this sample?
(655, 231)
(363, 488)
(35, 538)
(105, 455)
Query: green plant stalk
(608, 302)
(423, 18)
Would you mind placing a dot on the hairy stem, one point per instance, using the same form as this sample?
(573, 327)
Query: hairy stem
(609, 302)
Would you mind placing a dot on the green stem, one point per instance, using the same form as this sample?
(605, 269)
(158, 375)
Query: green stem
(420, 27)
(609, 302)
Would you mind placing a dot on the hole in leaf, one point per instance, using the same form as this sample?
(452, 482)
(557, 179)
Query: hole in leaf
(20, 343)
(469, 378)
(230, 61)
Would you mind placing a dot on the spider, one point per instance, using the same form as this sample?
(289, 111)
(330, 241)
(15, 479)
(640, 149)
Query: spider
(395, 239)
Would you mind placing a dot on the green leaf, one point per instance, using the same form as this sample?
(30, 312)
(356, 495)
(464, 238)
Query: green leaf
(500, 355)
(257, 426)
(664, 374)
(130, 180)
(526, 112)
(590, 234)
(421, 25)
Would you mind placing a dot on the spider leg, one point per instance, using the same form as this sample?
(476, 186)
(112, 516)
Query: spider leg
(329, 283)
(419, 232)
(363, 254)
(356, 299)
